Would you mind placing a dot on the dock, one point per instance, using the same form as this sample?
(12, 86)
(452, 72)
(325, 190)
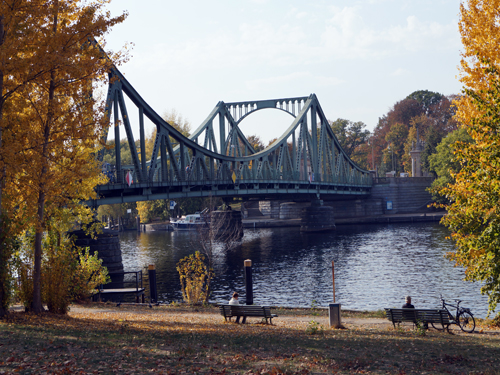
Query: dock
(121, 284)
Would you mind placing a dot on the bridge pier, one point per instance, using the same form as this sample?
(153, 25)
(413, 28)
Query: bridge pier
(107, 245)
(317, 217)
(226, 225)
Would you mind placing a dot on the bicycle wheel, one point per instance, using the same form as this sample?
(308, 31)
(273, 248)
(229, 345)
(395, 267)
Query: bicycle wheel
(437, 326)
(466, 321)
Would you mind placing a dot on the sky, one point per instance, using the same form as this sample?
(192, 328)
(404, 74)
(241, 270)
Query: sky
(359, 57)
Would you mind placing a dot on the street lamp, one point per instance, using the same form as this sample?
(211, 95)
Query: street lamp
(370, 143)
(392, 157)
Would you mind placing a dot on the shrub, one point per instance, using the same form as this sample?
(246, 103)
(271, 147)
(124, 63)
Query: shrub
(68, 273)
(194, 276)
(314, 328)
(88, 275)
(57, 269)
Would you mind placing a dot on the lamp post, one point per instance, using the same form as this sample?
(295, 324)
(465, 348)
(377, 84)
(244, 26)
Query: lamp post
(392, 157)
(370, 143)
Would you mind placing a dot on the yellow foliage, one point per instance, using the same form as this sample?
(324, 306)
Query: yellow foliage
(195, 278)
(474, 214)
(480, 31)
(51, 123)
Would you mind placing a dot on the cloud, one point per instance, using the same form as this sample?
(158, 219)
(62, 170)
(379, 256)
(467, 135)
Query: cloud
(297, 14)
(337, 33)
(348, 36)
(400, 72)
(296, 77)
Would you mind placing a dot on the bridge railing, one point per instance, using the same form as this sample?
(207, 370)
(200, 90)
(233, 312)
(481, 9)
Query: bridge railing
(224, 174)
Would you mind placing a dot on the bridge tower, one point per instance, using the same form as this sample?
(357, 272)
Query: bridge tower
(416, 161)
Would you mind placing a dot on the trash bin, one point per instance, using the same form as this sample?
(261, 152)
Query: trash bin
(334, 314)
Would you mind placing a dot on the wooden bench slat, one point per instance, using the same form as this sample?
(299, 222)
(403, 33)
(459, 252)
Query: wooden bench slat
(228, 311)
(418, 315)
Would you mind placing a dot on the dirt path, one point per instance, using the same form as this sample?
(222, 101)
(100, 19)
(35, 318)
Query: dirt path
(203, 315)
(282, 320)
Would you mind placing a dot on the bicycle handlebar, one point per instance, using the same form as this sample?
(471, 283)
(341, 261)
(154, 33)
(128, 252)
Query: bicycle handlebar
(449, 304)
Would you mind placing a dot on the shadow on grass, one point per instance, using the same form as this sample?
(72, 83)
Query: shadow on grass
(172, 342)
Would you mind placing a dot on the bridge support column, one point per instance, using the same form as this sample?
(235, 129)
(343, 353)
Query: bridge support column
(107, 245)
(226, 226)
(317, 218)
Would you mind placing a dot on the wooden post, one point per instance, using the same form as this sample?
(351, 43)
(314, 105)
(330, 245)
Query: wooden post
(248, 282)
(333, 276)
(153, 292)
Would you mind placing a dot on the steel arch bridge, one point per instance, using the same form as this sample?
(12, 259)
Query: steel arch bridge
(306, 162)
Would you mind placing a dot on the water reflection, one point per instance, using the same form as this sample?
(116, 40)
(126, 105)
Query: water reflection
(375, 266)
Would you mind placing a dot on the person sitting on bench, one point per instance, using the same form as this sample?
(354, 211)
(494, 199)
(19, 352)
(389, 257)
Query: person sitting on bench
(408, 304)
(234, 300)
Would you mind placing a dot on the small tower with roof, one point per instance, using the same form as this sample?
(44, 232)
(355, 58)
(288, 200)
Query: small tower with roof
(416, 161)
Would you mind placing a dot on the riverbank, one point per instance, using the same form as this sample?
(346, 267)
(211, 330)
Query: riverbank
(268, 222)
(104, 338)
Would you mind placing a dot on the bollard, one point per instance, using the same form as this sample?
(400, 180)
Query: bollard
(153, 292)
(334, 315)
(333, 276)
(138, 222)
(248, 282)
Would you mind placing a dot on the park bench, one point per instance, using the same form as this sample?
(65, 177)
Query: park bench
(228, 311)
(417, 316)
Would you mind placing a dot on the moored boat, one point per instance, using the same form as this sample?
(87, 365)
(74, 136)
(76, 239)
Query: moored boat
(190, 222)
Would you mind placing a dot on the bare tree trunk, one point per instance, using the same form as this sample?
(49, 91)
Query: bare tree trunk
(217, 234)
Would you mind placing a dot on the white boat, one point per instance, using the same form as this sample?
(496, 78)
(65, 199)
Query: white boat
(190, 222)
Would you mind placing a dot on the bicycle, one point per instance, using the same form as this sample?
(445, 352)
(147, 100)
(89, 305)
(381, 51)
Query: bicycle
(463, 317)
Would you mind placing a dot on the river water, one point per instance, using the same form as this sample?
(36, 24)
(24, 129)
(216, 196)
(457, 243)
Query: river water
(376, 266)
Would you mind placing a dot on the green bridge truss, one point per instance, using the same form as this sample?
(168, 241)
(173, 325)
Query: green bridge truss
(306, 162)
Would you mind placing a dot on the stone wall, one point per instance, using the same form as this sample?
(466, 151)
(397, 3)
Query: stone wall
(270, 208)
(291, 210)
(406, 194)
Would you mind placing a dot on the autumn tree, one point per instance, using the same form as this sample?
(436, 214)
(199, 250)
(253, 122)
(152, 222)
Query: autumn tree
(430, 112)
(117, 212)
(396, 138)
(149, 210)
(16, 20)
(352, 136)
(445, 162)
(59, 122)
(427, 100)
(474, 214)
(256, 142)
(178, 121)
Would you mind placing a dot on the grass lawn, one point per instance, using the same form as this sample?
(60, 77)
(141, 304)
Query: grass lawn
(180, 340)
